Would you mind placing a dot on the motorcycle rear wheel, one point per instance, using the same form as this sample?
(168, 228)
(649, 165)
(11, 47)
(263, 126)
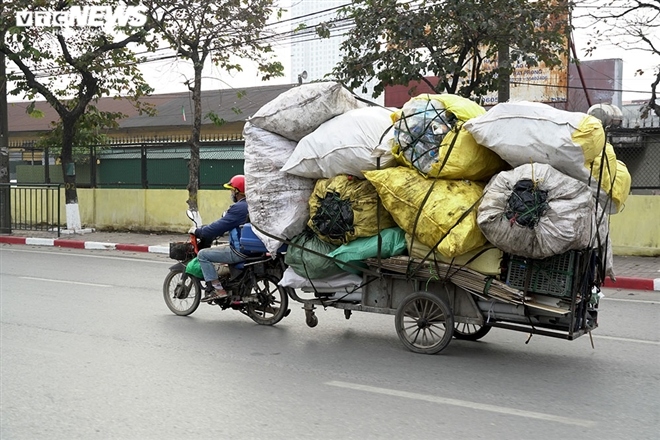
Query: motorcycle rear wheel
(273, 301)
(182, 298)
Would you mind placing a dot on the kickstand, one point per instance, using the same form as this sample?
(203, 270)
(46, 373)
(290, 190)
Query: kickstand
(529, 337)
(591, 338)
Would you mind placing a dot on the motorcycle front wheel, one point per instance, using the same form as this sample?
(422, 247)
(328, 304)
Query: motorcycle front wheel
(272, 301)
(182, 292)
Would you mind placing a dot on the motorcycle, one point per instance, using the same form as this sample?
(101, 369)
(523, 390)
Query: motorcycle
(252, 285)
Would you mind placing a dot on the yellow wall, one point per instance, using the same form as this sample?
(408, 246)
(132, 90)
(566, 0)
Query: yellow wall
(636, 229)
(146, 210)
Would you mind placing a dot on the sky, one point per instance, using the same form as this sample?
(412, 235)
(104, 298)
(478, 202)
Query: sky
(635, 87)
(169, 76)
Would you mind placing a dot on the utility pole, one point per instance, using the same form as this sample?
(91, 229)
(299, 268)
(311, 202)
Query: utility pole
(5, 190)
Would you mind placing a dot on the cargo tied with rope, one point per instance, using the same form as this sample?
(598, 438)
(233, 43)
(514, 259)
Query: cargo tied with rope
(440, 226)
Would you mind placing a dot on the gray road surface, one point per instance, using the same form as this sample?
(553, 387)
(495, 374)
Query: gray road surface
(90, 351)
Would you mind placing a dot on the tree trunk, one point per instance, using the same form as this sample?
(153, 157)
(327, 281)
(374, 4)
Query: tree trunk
(504, 79)
(73, 222)
(193, 141)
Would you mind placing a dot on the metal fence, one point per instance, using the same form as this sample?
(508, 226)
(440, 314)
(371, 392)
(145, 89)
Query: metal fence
(640, 151)
(31, 207)
(134, 165)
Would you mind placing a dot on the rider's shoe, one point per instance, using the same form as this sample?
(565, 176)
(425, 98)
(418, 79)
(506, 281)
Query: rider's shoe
(215, 294)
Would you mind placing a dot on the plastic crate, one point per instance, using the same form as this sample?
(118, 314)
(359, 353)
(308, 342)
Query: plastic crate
(551, 276)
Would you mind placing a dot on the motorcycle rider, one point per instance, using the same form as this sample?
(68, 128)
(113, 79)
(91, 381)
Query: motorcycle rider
(231, 221)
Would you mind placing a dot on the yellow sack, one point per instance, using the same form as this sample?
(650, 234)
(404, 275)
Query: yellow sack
(403, 190)
(622, 182)
(590, 136)
(426, 128)
(608, 171)
(615, 180)
(342, 209)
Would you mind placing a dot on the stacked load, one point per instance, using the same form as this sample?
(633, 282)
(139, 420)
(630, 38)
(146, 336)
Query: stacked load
(565, 177)
(571, 142)
(429, 136)
(345, 182)
(278, 200)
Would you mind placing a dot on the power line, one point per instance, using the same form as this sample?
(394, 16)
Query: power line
(292, 36)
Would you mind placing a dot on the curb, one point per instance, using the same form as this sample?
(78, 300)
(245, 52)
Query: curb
(75, 244)
(633, 283)
(620, 283)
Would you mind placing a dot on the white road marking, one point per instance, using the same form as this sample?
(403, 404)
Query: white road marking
(73, 254)
(465, 404)
(50, 280)
(639, 341)
(632, 300)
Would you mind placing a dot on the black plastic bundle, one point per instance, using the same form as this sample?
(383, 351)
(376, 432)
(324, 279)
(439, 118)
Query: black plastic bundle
(334, 217)
(526, 204)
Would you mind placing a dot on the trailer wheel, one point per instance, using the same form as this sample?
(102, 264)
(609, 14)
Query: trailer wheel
(310, 318)
(312, 321)
(470, 332)
(424, 323)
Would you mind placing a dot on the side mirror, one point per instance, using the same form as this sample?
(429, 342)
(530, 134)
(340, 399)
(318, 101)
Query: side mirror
(195, 217)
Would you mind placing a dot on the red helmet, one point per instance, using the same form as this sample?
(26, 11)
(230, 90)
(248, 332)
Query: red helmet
(236, 182)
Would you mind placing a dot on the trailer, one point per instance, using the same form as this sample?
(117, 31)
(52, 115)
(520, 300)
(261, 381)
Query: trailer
(434, 302)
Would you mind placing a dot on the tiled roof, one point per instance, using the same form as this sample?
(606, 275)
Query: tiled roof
(170, 107)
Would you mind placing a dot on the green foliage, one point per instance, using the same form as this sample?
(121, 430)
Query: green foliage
(323, 30)
(89, 130)
(217, 120)
(225, 31)
(33, 111)
(73, 66)
(219, 31)
(396, 42)
(67, 62)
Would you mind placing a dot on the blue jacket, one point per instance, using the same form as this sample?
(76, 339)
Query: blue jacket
(231, 221)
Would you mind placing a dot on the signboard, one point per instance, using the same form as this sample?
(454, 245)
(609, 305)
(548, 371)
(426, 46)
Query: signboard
(539, 83)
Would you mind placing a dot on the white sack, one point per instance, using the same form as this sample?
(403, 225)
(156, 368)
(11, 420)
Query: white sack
(278, 202)
(342, 145)
(341, 281)
(566, 224)
(300, 110)
(524, 132)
